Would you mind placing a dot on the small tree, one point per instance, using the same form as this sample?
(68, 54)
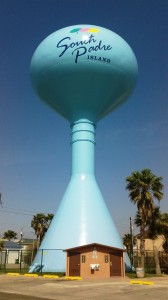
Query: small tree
(10, 235)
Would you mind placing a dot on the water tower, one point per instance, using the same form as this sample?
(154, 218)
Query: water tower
(83, 72)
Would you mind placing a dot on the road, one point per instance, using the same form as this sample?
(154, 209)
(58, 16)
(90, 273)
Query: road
(21, 288)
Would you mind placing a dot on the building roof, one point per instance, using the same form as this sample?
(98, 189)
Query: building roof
(95, 244)
(26, 241)
(11, 245)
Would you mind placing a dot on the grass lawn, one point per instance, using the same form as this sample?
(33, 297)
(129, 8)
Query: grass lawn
(26, 270)
(147, 275)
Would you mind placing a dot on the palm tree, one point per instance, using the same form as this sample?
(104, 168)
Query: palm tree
(165, 245)
(10, 235)
(143, 188)
(154, 229)
(164, 224)
(127, 241)
(40, 224)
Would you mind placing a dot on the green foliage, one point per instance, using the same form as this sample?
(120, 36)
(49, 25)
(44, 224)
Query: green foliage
(1, 245)
(10, 235)
(144, 187)
(153, 225)
(128, 242)
(164, 224)
(40, 224)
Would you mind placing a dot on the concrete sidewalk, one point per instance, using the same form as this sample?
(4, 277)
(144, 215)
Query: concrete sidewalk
(25, 288)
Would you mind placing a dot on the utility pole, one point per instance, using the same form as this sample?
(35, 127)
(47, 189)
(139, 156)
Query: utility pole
(131, 234)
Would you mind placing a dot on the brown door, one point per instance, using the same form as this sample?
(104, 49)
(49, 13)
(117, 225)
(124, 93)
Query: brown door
(74, 264)
(115, 264)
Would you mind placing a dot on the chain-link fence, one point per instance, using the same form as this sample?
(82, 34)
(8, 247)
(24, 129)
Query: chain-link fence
(21, 260)
(149, 261)
(16, 260)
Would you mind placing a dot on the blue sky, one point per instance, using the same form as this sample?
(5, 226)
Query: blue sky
(35, 153)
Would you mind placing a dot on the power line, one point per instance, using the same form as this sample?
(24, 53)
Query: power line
(33, 211)
(25, 214)
(21, 212)
(14, 212)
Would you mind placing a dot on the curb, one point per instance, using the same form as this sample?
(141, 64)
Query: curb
(141, 282)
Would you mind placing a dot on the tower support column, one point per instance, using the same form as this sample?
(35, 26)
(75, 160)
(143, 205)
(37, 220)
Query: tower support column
(83, 147)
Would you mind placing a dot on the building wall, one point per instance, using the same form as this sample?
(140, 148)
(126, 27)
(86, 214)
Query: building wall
(149, 243)
(12, 256)
(96, 256)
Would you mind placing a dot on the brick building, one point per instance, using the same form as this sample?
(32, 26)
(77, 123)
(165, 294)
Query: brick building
(95, 261)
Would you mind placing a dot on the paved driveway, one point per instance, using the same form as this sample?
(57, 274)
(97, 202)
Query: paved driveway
(23, 288)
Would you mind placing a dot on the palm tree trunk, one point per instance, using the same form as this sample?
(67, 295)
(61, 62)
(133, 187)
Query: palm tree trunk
(156, 259)
(142, 245)
(38, 241)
